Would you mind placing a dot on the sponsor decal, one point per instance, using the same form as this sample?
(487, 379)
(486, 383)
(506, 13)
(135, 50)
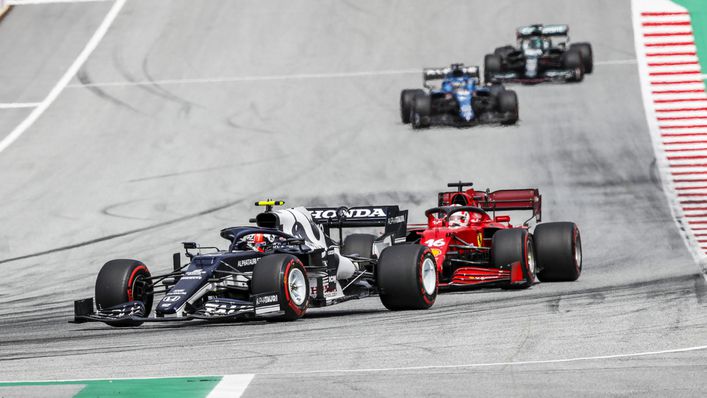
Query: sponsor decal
(351, 213)
(436, 252)
(170, 299)
(177, 292)
(247, 262)
(264, 300)
(396, 220)
(194, 272)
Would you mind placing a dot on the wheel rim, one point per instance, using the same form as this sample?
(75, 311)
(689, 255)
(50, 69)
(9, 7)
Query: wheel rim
(297, 286)
(429, 275)
(531, 259)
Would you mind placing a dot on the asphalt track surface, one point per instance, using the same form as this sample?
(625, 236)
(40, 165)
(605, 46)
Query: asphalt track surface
(201, 119)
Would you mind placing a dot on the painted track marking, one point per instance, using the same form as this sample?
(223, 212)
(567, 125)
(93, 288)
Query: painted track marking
(19, 105)
(66, 78)
(231, 386)
(237, 79)
(494, 364)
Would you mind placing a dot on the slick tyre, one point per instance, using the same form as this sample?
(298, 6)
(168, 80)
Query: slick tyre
(585, 50)
(492, 66)
(503, 51)
(573, 61)
(286, 275)
(421, 112)
(406, 276)
(360, 245)
(508, 103)
(512, 245)
(559, 251)
(122, 281)
(406, 99)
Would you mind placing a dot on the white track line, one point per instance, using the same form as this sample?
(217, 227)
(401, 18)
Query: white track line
(19, 105)
(31, 2)
(231, 386)
(494, 364)
(66, 78)
(236, 79)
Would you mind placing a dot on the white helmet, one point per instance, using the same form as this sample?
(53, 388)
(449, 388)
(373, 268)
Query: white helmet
(459, 219)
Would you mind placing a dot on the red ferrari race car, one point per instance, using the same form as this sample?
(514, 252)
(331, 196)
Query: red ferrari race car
(475, 246)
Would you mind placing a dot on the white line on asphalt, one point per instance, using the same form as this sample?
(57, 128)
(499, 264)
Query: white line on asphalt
(30, 2)
(494, 364)
(236, 79)
(231, 386)
(66, 78)
(17, 105)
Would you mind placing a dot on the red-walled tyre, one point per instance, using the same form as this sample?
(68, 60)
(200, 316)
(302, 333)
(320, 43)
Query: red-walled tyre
(121, 281)
(406, 276)
(512, 245)
(285, 274)
(559, 251)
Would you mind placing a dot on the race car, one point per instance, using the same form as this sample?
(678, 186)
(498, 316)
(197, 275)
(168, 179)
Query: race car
(473, 245)
(274, 270)
(455, 97)
(543, 53)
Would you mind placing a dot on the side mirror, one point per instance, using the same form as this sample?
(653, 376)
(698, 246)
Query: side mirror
(189, 245)
(176, 262)
(503, 219)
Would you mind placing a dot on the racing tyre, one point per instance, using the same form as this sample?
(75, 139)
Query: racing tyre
(585, 50)
(121, 281)
(559, 251)
(573, 61)
(421, 111)
(406, 98)
(286, 275)
(511, 245)
(359, 245)
(503, 51)
(508, 103)
(407, 277)
(492, 66)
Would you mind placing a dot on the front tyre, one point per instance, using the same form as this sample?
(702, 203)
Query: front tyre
(286, 275)
(406, 99)
(492, 67)
(122, 281)
(406, 276)
(585, 50)
(559, 251)
(573, 61)
(421, 111)
(508, 104)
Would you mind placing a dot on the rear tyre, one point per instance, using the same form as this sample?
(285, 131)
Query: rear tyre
(508, 103)
(573, 61)
(492, 66)
(585, 50)
(406, 98)
(512, 245)
(286, 275)
(422, 110)
(559, 251)
(122, 281)
(406, 276)
(360, 245)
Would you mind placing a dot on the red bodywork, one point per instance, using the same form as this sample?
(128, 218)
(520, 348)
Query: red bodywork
(463, 253)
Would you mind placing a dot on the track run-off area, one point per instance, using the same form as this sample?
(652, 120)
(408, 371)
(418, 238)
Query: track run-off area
(129, 126)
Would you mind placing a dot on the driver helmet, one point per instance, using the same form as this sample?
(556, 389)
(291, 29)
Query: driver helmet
(459, 219)
(536, 43)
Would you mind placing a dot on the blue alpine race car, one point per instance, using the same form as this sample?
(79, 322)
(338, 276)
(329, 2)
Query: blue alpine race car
(455, 97)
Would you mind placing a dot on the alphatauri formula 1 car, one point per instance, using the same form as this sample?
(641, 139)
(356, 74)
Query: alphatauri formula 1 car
(457, 100)
(473, 245)
(543, 54)
(274, 270)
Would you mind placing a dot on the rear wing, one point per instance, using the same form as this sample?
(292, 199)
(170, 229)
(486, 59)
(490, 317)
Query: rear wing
(542, 30)
(391, 218)
(502, 200)
(430, 74)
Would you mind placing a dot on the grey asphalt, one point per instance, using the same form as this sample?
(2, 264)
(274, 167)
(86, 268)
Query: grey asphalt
(133, 168)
